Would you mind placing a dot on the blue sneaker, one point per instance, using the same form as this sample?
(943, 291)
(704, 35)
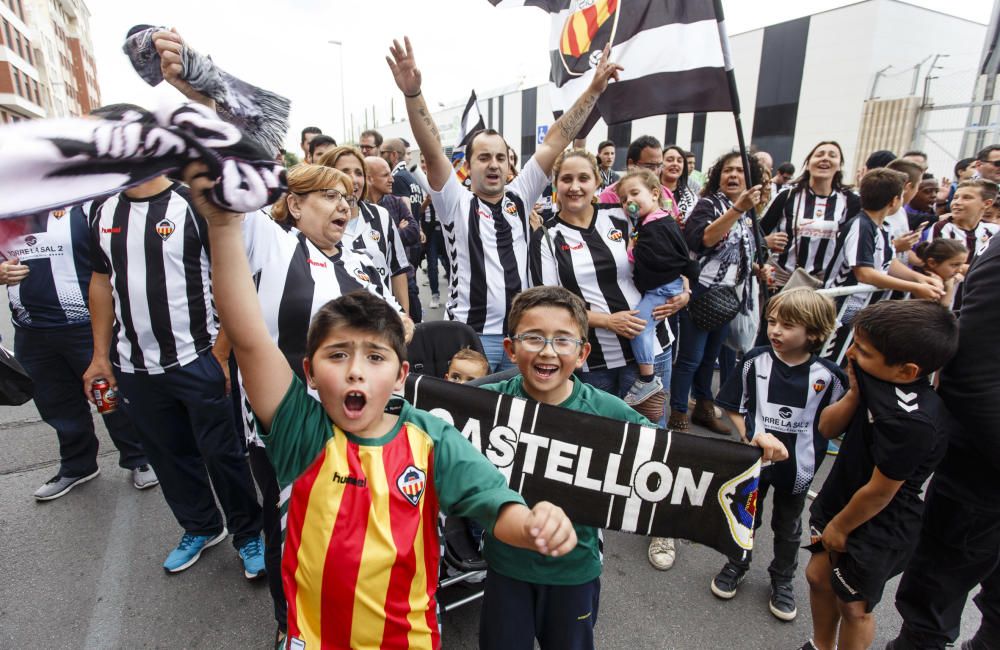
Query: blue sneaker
(189, 550)
(252, 554)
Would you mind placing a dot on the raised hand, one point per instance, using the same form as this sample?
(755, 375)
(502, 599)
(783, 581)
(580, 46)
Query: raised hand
(170, 45)
(404, 67)
(605, 71)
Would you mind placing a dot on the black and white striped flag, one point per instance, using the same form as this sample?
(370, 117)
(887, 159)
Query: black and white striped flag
(675, 54)
(472, 121)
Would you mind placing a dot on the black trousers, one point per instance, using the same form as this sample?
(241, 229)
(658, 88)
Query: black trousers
(263, 473)
(185, 422)
(56, 360)
(959, 548)
(786, 522)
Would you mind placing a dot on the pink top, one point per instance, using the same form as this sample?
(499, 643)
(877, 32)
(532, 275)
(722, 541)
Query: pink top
(649, 218)
(609, 195)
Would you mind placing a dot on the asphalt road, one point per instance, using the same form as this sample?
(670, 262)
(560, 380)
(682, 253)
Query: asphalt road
(84, 571)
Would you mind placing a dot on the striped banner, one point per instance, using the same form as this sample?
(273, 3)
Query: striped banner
(607, 473)
(672, 53)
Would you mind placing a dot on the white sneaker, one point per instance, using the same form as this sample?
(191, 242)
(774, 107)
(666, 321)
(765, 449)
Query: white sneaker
(662, 553)
(59, 485)
(435, 301)
(143, 477)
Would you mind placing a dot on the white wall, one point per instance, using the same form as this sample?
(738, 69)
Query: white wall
(720, 129)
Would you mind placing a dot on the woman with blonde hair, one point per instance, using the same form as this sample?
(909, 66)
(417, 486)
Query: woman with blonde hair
(370, 229)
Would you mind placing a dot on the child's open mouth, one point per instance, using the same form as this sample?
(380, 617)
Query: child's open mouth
(545, 371)
(354, 403)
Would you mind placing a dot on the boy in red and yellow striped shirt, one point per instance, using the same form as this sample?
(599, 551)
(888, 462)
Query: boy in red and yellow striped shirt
(361, 483)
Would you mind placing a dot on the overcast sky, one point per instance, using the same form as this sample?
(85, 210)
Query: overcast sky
(460, 45)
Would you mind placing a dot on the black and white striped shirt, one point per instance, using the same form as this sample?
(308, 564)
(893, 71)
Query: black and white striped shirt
(374, 233)
(294, 279)
(155, 251)
(786, 402)
(593, 263)
(55, 246)
(488, 247)
(811, 223)
(861, 242)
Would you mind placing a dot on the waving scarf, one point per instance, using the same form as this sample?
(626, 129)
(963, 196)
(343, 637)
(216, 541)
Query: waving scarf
(260, 114)
(49, 164)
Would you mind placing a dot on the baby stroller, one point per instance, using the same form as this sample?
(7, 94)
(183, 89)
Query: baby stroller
(462, 566)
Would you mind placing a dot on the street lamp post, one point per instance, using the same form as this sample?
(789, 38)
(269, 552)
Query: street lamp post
(343, 112)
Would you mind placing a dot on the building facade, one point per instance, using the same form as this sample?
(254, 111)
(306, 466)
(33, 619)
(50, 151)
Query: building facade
(47, 66)
(800, 82)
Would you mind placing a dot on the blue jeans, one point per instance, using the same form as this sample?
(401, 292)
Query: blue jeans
(695, 363)
(435, 251)
(56, 359)
(644, 344)
(493, 349)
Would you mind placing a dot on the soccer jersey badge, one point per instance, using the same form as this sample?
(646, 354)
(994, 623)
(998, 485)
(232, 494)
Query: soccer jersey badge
(411, 484)
(819, 385)
(509, 207)
(615, 234)
(374, 235)
(361, 275)
(165, 228)
(58, 214)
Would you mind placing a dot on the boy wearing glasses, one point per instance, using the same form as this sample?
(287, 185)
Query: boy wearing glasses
(554, 600)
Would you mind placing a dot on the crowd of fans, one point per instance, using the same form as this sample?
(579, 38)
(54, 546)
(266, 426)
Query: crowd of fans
(828, 308)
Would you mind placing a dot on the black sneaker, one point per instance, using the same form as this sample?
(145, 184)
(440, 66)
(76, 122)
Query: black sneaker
(782, 602)
(809, 645)
(728, 581)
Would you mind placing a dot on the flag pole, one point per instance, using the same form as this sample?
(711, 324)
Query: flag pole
(734, 96)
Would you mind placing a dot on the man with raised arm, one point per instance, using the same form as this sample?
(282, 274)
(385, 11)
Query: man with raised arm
(487, 229)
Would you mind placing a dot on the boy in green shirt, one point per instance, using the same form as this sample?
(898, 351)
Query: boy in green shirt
(554, 600)
(360, 484)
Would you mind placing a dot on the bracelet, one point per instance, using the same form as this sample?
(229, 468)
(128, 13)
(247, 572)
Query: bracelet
(418, 93)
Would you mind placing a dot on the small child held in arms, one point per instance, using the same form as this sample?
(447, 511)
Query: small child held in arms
(780, 391)
(466, 365)
(661, 257)
(361, 545)
(866, 520)
(945, 258)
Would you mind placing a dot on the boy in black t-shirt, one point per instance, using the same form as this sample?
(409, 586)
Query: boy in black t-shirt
(866, 519)
(779, 392)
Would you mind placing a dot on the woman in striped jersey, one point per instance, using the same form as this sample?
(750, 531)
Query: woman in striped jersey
(809, 214)
(300, 264)
(584, 249)
(370, 229)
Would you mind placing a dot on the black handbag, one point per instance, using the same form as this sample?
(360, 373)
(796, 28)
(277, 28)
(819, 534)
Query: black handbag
(16, 386)
(714, 308)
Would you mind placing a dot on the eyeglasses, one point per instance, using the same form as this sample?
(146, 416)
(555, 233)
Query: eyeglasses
(562, 345)
(333, 195)
(366, 147)
(995, 163)
(653, 167)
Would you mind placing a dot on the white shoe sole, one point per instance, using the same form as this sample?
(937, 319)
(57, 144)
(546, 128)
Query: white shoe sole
(197, 556)
(145, 486)
(725, 595)
(780, 615)
(69, 487)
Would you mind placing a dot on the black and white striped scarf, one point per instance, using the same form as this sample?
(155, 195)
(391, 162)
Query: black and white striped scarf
(49, 164)
(260, 114)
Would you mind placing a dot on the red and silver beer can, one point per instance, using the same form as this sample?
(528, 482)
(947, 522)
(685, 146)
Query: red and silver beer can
(104, 396)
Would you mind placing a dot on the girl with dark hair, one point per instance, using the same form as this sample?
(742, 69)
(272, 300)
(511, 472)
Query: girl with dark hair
(674, 176)
(720, 232)
(802, 222)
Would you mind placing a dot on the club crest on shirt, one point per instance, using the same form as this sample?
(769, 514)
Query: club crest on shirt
(165, 228)
(58, 214)
(411, 484)
(361, 275)
(509, 207)
(819, 385)
(615, 234)
(374, 235)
